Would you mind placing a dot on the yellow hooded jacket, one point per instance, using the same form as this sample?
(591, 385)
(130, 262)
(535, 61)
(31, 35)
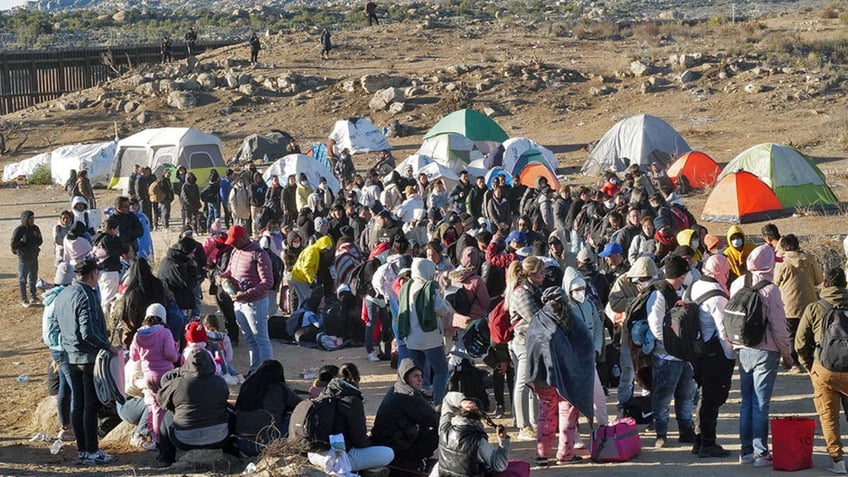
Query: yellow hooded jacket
(306, 267)
(736, 257)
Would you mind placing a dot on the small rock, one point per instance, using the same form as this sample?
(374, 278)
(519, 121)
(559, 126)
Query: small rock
(182, 99)
(397, 108)
(166, 86)
(640, 69)
(383, 98)
(687, 76)
(231, 80)
(753, 88)
(131, 106)
(189, 84)
(248, 89)
(451, 86)
(491, 112)
(602, 91)
(244, 79)
(207, 81)
(143, 117)
(120, 17)
(647, 87)
(413, 91)
(456, 69)
(484, 85)
(348, 86)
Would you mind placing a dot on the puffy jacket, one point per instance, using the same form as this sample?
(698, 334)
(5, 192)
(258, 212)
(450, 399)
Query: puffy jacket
(179, 276)
(130, 229)
(49, 321)
(277, 403)
(499, 211)
(239, 202)
(111, 245)
(198, 399)
(808, 336)
(760, 264)
(404, 413)
(251, 265)
(350, 413)
(464, 448)
(190, 194)
(797, 277)
(303, 193)
(305, 269)
(155, 348)
(26, 239)
(81, 323)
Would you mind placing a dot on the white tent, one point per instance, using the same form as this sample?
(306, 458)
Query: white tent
(434, 171)
(196, 151)
(415, 161)
(639, 140)
(96, 158)
(476, 168)
(357, 135)
(518, 148)
(301, 163)
(452, 150)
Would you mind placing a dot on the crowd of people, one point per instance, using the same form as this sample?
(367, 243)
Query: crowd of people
(406, 267)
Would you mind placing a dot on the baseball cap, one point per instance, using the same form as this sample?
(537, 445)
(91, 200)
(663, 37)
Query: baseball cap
(610, 248)
(516, 236)
(235, 233)
(585, 255)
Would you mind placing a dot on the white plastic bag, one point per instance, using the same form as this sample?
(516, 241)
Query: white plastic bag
(338, 463)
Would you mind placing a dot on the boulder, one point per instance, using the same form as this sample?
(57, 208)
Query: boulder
(189, 84)
(383, 98)
(647, 87)
(231, 80)
(147, 89)
(120, 17)
(120, 435)
(131, 106)
(640, 69)
(45, 418)
(688, 76)
(207, 81)
(166, 86)
(143, 117)
(245, 78)
(182, 99)
(66, 104)
(413, 91)
(195, 459)
(374, 83)
(248, 89)
(397, 108)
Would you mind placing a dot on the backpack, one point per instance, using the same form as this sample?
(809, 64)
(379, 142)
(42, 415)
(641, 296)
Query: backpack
(833, 347)
(360, 282)
(501, 328)
(459, 301)
(276, 266)
(477, 338)
(311, 424)
(681, 218)
(682, 336)
(100, 253)
(743, 318)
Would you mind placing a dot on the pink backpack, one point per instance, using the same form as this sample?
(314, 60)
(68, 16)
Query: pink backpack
(617, 442)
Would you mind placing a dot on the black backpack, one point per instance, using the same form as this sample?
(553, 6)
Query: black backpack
(682, 336)
(460, 301)
(744, 320)
(360, 280)
(833, 347)
(276, 266)
(477, 337)
(311, 424)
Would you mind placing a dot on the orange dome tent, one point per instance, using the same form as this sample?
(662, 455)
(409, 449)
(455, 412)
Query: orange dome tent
(700, 169)
(741, 197)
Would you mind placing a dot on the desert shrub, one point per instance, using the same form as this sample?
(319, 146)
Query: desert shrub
(830, 11)
(601, 30)
(41, 176)
(648, 31)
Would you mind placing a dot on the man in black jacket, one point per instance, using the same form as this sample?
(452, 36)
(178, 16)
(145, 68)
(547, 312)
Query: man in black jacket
(460, 191)
(129, 227)
(179, 272)
(26, 244)
(474, 203)
(197, 403)
(406, 422)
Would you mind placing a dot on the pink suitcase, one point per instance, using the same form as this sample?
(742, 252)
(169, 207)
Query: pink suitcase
(617, 442)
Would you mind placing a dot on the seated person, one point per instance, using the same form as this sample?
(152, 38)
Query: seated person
(325, 375)
(263, 408)
(350, 421)
(406, 422)
(306, 320)
(197, 400)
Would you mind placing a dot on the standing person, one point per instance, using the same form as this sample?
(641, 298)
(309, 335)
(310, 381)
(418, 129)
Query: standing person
(239, 203)
(145, 240)
(177, 185)
(211, 195)
(326, 44)
(191, 41)
(758, 364)
(255, 46)
(82, 328)
(71, 183)
(251, 268)
(289, 200)
(797, 278)
(226, 186)
(178, 271)
(52, 338)
(714, 369)
(371, 12)
(164, 196)
(737, 251)
(130, 229)
(26, 244)
(60, 231)
(165, 50)
(258, 189)
(671, 377)
(84, 189)
(107, 251)
(143, 191)
(190, 201)
(829, 387)
(133, 181)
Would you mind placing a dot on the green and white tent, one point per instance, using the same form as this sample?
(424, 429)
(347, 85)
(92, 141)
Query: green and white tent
(469, 123)
(794, 178)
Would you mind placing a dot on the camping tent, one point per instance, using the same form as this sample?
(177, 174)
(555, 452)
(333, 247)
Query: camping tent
(196, 151)
(424, 164)
(698, 168)
(792, 176)
(256, 146)
(520, 151)
(95, 158)
(497, 172)
(638, 139)
(741, 197)
(476, 126)
(415, 161)
(301, 163)
(357, 135)
(450, 149)
(530, 174)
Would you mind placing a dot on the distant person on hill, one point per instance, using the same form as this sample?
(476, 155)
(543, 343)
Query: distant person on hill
(255, 46)
(371, 12)
(165, 50)
(191, 41)
(326, 43)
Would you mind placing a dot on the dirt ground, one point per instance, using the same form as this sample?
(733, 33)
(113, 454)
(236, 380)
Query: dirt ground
(718, 120)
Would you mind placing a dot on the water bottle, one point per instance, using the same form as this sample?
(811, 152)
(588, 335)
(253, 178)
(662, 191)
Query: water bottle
(250, 469)
(38, 437)
(56, 447)
(23, 378)
(616, 371)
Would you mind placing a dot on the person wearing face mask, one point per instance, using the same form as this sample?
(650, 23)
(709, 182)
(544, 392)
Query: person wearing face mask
(737, 251)
(624, 291)
(611, 185)
(690, 238)
(579, 307)
(671, 377)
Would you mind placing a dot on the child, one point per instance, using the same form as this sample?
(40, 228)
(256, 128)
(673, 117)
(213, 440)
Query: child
(196, 338)
(217, 340)
(325, 375)
(154, 346)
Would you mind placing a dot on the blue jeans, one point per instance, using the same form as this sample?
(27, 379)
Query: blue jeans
(436, 359)
(213, 211)
(757, 373)
(376, 314)
(65, 397)
(625, 382)
(252, 318)
(198, 299)
(673, 379)
(135, 412)
(372, 457)
(27, 273)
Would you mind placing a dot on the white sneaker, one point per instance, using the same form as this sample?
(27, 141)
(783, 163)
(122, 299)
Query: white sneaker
(763, 461)
(372, 356)
(746, 459)
(578, 444)
(526, 435)
(99, 458)
(66, 435)
(836, 467)
(137, 440)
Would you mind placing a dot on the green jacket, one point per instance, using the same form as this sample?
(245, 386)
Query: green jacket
(809, 331)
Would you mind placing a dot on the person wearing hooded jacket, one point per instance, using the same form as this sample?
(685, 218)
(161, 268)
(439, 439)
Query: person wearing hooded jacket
(714, 369)
(421, 311)
(797, 277)
(737, 251)
(197, 401)
(179, 273)
(350, 421)
(406, 422)
(758, 364)
(190, 201)
(26, 244)
(468, 277)
(586, 310)
(305, 270)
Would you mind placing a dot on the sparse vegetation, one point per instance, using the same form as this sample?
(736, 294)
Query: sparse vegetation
(41, 176)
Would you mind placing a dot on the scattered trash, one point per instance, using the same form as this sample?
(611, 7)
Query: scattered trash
(22, 378)
(250, 469)
(56, 447)
(306, 374)
(16, 363)
(38, 437)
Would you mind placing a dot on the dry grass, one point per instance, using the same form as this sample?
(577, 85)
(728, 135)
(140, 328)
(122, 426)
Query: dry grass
(827, 250)
(601, 30)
